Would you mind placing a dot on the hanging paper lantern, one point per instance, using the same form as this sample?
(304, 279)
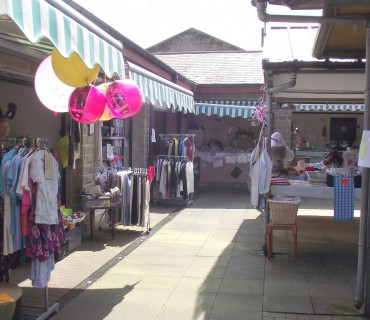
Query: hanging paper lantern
(123, 98)
(52, 92)
(86, 104)
(72, 70)
(107, 114)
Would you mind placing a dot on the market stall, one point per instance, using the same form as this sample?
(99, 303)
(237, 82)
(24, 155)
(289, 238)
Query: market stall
(224, 167)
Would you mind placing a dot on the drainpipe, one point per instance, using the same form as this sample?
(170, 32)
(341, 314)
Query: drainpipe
(364, 232)
(269, 90)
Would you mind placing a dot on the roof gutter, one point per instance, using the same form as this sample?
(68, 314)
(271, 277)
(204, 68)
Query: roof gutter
(265, 17)
(298, 65)
(364, 233)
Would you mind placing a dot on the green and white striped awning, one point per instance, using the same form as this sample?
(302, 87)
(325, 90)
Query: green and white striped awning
(38, 19)
(329, 107)
(163, 94)
(232, 108)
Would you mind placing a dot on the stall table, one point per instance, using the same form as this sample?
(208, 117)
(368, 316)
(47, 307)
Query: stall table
(110, 204)
(320, 192)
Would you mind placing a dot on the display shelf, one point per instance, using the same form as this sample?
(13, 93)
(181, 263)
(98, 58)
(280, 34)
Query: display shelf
(113, 142)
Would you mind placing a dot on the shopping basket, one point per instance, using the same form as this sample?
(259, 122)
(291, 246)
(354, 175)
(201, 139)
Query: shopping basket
(284, 210)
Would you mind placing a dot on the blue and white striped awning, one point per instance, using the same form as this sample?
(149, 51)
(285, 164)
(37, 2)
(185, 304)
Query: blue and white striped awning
(38, 19)
(329, 107)
(230, 108)
(163, 94)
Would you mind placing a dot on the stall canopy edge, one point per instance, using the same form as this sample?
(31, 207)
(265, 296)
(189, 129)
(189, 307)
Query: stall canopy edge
(38, 19)
(160, 92)
(234, 108)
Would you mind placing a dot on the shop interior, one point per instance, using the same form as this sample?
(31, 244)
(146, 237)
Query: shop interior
(324, 131)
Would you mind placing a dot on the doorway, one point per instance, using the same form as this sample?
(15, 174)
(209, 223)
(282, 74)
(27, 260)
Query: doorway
(343, 129)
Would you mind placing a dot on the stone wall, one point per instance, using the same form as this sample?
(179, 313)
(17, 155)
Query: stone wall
(83, 177)
(140, 138)
(282, 122)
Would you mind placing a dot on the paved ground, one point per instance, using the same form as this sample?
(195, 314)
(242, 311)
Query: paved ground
(206, 262)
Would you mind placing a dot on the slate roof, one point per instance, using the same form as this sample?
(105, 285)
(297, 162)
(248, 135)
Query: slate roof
(211, 68)
(192, 40)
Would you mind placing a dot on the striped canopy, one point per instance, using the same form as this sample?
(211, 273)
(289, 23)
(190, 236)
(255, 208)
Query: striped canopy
(232, 108)
(161, 93)
(38, 19)
(330, 107)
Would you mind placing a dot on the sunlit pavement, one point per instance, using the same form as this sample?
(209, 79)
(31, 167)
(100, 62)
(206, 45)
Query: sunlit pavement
(207, 262)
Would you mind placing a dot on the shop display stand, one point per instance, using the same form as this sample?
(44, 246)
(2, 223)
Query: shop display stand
(113, 134)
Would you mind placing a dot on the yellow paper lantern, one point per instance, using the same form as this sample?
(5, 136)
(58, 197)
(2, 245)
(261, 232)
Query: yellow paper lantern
(107, 114)
(72, 70)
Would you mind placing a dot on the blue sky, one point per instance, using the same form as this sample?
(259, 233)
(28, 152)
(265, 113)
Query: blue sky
(147, 22)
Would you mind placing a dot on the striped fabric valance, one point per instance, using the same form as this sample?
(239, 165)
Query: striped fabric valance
(329, 107)
(230, 108)
(38, 19)
(162, 93)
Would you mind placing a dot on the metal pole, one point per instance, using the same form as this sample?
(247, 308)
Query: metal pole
(363, 281)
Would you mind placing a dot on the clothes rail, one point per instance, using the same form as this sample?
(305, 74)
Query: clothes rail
(162, 156)
(177, 135)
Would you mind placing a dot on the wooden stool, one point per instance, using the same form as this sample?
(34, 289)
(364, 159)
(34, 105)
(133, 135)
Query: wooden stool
(270, 227)
(11, 309)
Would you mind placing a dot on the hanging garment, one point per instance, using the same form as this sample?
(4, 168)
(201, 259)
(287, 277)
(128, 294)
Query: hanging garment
(265, 165)
(344, 197)
(47, 188)
(146, 200)
(260, 172)
(41, 271)
(127, 212)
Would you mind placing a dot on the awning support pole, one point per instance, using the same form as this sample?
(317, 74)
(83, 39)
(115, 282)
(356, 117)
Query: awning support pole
(363, 284)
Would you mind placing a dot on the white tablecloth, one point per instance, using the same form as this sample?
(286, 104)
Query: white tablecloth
(308, 191)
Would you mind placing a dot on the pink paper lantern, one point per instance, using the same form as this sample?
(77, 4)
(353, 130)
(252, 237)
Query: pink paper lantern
(123, 98)
(86, 104)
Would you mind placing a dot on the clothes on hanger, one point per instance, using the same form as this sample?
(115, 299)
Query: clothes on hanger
(174, 177)
(32, 221)
(178, 145)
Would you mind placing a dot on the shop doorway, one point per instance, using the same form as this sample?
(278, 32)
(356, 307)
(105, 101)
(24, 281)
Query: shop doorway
(343, 129)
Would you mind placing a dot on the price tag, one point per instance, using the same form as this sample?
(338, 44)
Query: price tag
(47, 165)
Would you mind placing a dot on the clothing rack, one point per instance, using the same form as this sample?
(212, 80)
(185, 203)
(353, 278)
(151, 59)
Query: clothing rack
(145, 191)
(162, 156)
(156, 195)
(177, 135)
(40, 143)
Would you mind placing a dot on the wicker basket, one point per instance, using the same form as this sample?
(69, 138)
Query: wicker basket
(284, 210)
